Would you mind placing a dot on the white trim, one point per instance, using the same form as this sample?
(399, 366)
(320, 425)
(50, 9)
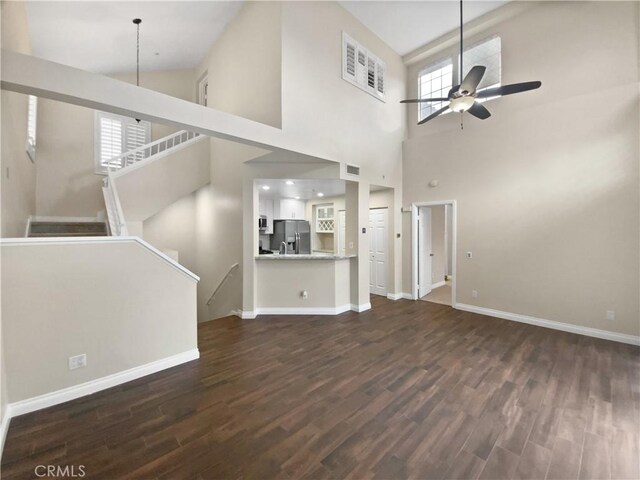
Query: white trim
(156, 156)
(394, 296)
(414, 245)
(247, 314)
(4, 427)
(408, 296)
(540, 322)
(361, 308)
(303, 310)
(26, 235)
(93, 386)
(12, 242)
(438, 284)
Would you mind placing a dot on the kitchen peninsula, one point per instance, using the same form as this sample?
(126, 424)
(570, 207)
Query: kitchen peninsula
(315, 284)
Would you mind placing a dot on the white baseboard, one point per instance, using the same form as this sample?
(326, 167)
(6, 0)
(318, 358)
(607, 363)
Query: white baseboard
(407, 296)
(361, 308)
(247, 314)
(394, 296)
(303, 310)
(4, 428)
(93, 386)
(41, 218)
(540, 322)
(438, 285)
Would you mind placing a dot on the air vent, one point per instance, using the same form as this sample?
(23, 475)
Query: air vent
(352, 169)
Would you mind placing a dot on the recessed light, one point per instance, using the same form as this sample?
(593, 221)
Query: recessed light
(265, 187)
(297, 198)
(320, 194)
(289, 182)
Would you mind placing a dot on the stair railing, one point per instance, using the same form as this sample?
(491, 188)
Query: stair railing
(115, 215)
(215, 292)
(143, 152)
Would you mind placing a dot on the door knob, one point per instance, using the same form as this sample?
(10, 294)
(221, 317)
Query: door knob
(431, 254)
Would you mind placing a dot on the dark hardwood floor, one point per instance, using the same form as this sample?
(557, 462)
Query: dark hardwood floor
(407, 390)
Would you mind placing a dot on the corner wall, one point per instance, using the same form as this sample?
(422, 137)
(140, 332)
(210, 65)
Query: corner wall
(18, 174)
(547, 189)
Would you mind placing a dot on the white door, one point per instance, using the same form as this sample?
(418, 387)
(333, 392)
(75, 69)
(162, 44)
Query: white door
(424, 251)
(342, 232)
(378, 251)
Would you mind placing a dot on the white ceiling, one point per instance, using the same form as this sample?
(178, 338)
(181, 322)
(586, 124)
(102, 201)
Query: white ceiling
(405, 26)
(100, 36)
(306, 189)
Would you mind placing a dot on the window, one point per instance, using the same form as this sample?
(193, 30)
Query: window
(115, 135)
(202, 90)
(437, 79)
(362, 68)
(487, 53)
(32, 113)
(434, 81)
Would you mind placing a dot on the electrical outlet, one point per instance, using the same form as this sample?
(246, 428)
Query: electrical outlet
(474, 293)
(469, 254)
(304, 294)
(611, 315)
(78, 361)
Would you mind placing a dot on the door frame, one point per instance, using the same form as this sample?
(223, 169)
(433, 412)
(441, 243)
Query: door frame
(414, 245)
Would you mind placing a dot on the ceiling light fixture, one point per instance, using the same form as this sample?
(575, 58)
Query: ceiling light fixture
(289, 182)
(297, 197)
(265, 187)
(320, 194)
(137, 22)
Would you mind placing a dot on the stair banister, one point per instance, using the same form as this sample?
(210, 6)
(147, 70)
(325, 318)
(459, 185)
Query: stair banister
(213, 295)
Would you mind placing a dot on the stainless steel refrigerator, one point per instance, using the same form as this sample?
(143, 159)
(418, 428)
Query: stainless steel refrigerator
(295, 233)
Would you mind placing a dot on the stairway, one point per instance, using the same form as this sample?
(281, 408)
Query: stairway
(67, 229)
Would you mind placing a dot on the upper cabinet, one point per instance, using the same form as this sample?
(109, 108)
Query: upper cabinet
(324, 219)
(289, 209)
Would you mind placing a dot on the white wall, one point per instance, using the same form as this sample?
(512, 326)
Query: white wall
(67, 184)
(548, 187)
(126, 308)
(18, 184)
(319, 107)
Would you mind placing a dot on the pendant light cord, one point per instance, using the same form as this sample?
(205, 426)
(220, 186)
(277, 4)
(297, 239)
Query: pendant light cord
(138, 55)
(461, 49)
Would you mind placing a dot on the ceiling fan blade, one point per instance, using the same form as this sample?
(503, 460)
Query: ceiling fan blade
(509, 89)
(480, 111)
(433, 115)
(472, 80)
(420, 100)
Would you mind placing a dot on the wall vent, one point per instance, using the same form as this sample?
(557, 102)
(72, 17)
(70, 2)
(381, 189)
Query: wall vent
(352, 169)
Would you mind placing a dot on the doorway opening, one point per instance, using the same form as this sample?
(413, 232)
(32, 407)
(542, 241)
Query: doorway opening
(434, 246)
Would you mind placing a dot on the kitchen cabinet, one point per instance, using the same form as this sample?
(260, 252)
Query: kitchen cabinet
(289, 209)
(265, 207)
(324, 219)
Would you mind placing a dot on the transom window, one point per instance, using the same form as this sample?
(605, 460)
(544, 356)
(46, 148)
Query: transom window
(437, 79)
(116, 135)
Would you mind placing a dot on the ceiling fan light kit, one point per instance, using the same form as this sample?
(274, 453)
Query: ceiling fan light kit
(463, 98)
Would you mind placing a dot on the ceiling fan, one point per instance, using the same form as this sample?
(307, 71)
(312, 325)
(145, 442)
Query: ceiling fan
(463, 97)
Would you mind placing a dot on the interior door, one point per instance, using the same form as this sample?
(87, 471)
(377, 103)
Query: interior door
(342, 232)
(378, 251)
(424, 251)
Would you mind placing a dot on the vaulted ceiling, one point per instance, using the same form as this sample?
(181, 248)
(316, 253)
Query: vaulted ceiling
(100, 36)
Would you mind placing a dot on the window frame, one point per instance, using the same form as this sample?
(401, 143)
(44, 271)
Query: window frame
(32, 127)
(373, 65)
(433, 67)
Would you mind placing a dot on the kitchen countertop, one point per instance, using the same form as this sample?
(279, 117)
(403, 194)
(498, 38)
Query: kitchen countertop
(303, 256)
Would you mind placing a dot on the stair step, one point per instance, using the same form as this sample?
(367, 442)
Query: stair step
(66, 234)
(67, 229)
